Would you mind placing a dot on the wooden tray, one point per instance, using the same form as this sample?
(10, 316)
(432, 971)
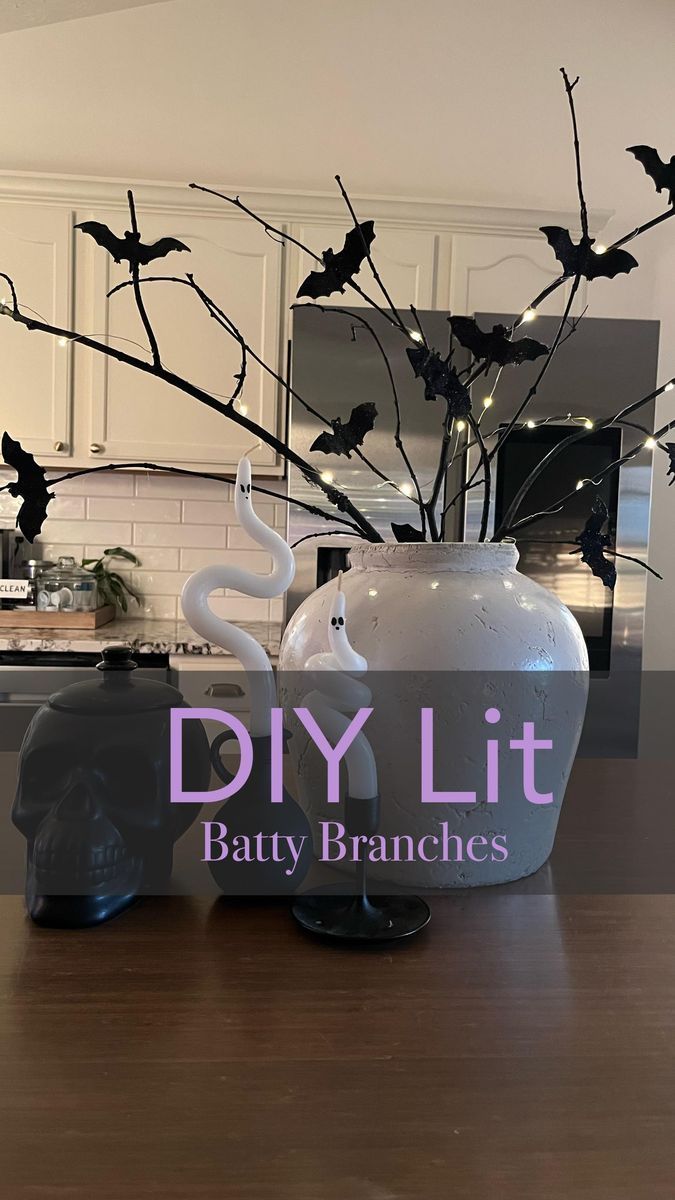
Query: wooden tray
(25, 619)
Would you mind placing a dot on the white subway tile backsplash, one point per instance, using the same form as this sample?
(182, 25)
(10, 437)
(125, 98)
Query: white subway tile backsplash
(154, 558)
(197, 512)
(179, 535)
(239, 539)
(9, 507)
(175, 525)
(53, 551)
(240, 608)
(153, 486)
(276, 612)
(158, 608)
(66, 508)
(249, 560)
(109, 509)
(110, 533)
(159, 583)
(113, 483)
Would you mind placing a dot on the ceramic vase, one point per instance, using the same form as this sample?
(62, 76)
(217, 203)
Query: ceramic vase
(456, 627)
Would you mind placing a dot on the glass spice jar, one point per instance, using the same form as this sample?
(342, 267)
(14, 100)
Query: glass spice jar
(67, 588)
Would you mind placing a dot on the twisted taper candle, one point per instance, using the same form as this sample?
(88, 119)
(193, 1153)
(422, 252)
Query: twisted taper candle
(198, 614)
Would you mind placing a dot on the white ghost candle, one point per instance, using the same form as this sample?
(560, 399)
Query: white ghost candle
(198, 614)
(338, 691)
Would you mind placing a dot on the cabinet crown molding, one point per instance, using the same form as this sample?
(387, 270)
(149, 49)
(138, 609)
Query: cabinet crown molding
(82, 191)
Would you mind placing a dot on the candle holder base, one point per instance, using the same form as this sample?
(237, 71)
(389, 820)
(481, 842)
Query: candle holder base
(359, 919)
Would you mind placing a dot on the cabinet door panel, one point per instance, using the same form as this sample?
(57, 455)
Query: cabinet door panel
(136, 416)
(497, 273)
(35, 394)
(405, 259)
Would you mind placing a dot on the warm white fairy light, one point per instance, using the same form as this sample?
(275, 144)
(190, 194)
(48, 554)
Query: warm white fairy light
(460, 426)
(669, 387)
(650, 443)
(529, 314)
(580, 484)
(63, 341)
(327, 476)
(243, 409)
(588, 424)
(416, 335)
(600, 248)
(530, 424)
(488, 402)
(407, 489)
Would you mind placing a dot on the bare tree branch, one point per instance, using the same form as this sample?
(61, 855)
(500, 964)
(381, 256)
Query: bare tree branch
(397, 407)
(134, 268)
(310, 472)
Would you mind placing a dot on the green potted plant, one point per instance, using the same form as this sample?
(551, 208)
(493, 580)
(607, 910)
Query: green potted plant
(113, 588)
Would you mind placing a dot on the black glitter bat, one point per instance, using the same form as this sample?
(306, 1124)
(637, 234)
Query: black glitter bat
(670, 447)
(30, 485)
(663, 173)
(440, 379)
(340, 268)
(347, 437)
(580, 259)
(592, 542)
(495, 346)
(130, 247)
(406, 533)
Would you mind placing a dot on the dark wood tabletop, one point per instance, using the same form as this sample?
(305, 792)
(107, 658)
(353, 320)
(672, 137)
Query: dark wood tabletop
(522, 1047)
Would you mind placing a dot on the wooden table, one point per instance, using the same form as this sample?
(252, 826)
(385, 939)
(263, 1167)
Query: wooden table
(523, 1047)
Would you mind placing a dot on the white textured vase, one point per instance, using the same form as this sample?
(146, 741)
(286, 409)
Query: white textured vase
(463, 631)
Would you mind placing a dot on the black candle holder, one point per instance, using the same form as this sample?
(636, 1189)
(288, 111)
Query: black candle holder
(359, 918)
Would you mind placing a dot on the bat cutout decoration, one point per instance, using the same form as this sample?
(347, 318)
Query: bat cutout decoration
(347, 437)
(407, 533)
(130, 247)
(593, 542)
(340, 268)
(495, 346)
(440, 379)
(663, 173)
(670, 447)
(581, 259)
(30, 485)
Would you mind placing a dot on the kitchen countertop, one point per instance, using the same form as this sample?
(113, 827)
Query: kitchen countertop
(144, 636)
(522, 1047)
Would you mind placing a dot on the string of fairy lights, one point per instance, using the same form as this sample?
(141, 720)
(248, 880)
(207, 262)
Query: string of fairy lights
(458, 427)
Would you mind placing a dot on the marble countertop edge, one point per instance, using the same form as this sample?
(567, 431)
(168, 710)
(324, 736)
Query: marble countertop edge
(143, 636)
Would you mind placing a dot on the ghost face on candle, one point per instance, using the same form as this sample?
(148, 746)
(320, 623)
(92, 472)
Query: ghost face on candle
(242, 492)
(346, 658)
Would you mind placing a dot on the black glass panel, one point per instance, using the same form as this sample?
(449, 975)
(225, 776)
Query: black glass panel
(545, 547)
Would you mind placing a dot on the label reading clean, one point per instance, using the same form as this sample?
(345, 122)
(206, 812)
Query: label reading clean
(14, 589)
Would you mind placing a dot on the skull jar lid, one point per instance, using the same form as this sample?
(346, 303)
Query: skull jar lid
(116, 690)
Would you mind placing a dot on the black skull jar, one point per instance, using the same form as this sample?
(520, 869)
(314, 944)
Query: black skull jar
(93, 794)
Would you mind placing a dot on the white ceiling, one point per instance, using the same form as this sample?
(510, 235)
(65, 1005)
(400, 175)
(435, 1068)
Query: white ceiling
(28, 14)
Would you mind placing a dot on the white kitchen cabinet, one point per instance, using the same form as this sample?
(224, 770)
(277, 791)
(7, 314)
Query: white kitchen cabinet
(135, 417)
(35, 383)
(406, 259)
(68, 404)
(502, 273)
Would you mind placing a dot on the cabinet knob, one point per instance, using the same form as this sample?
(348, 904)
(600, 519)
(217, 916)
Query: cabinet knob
(95, 448)
(59, 446)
